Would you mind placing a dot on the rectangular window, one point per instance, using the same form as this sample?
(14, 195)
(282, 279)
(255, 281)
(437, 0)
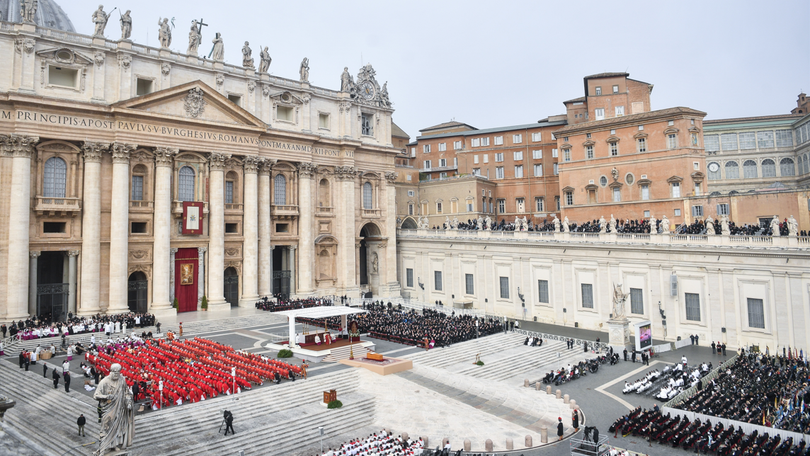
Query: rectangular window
(284, 113)
(518, 156)
(457, 145)
(232, 228)
(499, 157)
(409, 278)
(589, 152)
(439, 207)
(676, 189)
(520, 203)
(617, 195)
(323, 121)
(475, 159)
(499, 140)
(697, 189)
(413, 152)
(517, 139)
(537, 154)
(410, 209)
(542, 291)
(784, 138)
(519, 171)
(54, 227)
(367, 124)
(672, 141)
(722, 209)
(697, 211)
(427, 164)
(144, 87)
(619, 111)
(228, 192)
(554, 153)
(557, 202)
(645, 192)
(476, 171)
(646, 213)
(504, 282)
(637, 301)
(499, 172)
(426, 148)
(486, 158)
(569, 198)
(538, 170)
(442, 162)
(537, 136)
(137, 188)
(598, 91)
(442, 175)
(138, 228)
(567, 155)
(711, 143)
(677, 212)
(642, 144)
(539, 205)
(692, 306)
(501, 206)
(729, 141)
(469, 284)
(442, 147)
(469, 206)
(587, 295)
(615, 89)
(437, 280)
(235, 99)
(747, 140)
(484, 142)
(756, 313)
(476, 142)
(556, 169)
(599, 113)
(614, 149)
(765, 139)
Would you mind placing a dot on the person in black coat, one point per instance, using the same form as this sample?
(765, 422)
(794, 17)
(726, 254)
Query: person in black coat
(44, 370)
(229, 422)
(575, 420)
(55, 376)
(22, 358)
(66, 375)
(559, 428)
(81, 422)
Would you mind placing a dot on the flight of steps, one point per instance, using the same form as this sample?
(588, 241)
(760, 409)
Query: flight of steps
(44, 416)
(192, 429)
(488, 345)
(341, 353)
(526, 359)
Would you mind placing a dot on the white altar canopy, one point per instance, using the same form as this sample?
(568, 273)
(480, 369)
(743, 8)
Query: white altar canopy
(315, 313)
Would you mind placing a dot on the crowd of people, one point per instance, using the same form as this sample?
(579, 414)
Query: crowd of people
(189, 370)
(280, 304)
(759, 389)
(40, 326)
(701, 436)
(381, 443)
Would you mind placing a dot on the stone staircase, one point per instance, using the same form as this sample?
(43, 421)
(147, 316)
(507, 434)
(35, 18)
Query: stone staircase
(341, 353)
(462, 351)
(193, 429)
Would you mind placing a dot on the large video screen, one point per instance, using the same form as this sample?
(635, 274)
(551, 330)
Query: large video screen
(644, 335)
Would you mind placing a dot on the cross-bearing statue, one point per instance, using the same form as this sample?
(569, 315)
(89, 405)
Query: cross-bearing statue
(194, 38)
(619, 297)
(118, 412)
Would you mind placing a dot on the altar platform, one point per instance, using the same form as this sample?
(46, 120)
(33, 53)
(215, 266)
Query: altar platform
(387, 366)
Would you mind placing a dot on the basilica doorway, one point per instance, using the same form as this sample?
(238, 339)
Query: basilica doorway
(281, 271)
(368, 259)
(232, 286)
(52, 286)
(137, 295)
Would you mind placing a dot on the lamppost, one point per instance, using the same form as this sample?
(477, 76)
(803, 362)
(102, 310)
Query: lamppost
(320, 431)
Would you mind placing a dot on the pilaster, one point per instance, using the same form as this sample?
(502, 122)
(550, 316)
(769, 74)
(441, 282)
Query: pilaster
(216, 233)
(250, 267)
(119, 228)
(161, 305)
(91, 228)
(265, 248)
(305, 239)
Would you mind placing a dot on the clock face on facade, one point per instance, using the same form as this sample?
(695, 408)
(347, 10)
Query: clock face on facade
(367, 90)
(713, 167)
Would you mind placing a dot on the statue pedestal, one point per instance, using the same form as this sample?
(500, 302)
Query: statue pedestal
(125, 44)
(250, 71)
(619, 334)
(264, 76)
(99, 41)
(219, 65)
(165, 53)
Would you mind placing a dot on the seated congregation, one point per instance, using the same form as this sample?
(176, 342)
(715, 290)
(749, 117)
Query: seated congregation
(43, 326)
(381, 443)
(281, 304)
(189, 370)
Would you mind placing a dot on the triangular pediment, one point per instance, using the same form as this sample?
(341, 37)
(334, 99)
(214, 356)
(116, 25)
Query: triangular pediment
(194, 101)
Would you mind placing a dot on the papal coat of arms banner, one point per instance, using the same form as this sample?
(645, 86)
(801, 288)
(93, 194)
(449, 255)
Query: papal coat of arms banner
(192, 217)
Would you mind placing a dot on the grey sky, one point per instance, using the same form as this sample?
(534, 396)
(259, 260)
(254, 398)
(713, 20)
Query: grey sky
(492, 64)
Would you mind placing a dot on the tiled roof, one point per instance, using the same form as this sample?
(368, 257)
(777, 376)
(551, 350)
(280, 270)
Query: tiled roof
(749, 119)
(630, 119)
(447, 125)
(398, 132)
(606, 75)
(575, 100)
(485, 131)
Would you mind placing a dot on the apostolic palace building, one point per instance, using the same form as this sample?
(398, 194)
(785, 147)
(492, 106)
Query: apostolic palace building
(136, 177)
(133, 176)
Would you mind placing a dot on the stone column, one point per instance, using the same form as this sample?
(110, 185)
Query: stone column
(390, 283)
(345, 214)
(250, 246)
(119, 228)
(172, 261)
(291, 259)
(200, 273)
(72, 254)
(21, 148)
(91, 228)
(265, 249)
(305, 240)
(32, 282)
(216, 233)
(161, 305)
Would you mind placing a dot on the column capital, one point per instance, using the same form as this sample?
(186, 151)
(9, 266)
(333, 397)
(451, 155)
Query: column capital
(202, 250)
(345, 172)
(173, 250)
(92, 151)
(345, 106)
(73, 253)
(121, 151)
(391, 177)
(217, 161)
(267, 166)
(18, 145)
(306, 169)
(252, 163)
(34, 254)
(164, 156)
(293, 247)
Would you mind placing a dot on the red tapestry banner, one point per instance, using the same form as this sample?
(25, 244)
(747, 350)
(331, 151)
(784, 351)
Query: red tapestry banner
(192, 217)
(186, 279)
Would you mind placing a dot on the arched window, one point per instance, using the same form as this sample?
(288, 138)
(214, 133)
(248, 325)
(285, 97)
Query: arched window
(786, 167)
(768, 168)
(750, 169)
(280, 190)
(732, 170)
(367, 196)
(714, 175)
(186, 184)
(55, 179)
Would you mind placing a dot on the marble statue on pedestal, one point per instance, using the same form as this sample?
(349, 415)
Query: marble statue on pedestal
(194, 38)
(612, 224)
(118, 412)
(565, 225)
(100, 20)
(247, 56)
(454, 223)
(664, 225)
(479, 223)
(653, 225)
(164, 33)
(775, 226)
(126, 26)
(619, 297)
(724, 229)
(488, 223)
(346, 81)
(556, 222)
(303, 71)
(423, 223)
(28, 10)
(793, 226)
(264, 56)
(710, 226)
(218, 52)
(602, 225)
